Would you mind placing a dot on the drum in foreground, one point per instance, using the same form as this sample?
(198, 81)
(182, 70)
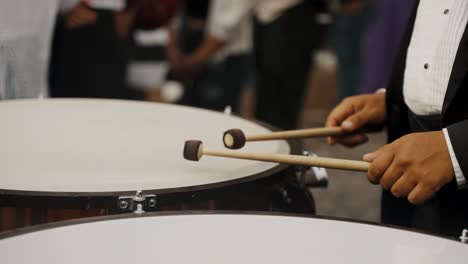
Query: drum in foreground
(85, 154)
(220, 238)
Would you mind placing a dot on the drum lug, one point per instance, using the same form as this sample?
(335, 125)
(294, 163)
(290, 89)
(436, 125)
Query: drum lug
(312, 176)
(139, 203)
(464, 236)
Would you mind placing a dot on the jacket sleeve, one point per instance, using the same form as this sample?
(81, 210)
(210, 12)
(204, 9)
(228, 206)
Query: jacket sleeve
(458, 133)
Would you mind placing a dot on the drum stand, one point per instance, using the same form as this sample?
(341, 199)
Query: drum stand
(312, 177)
(293, 196)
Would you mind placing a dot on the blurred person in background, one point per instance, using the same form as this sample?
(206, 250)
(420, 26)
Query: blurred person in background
(90, 49)
(286, 35)
(381, 42)
(154, 14)
(26, 28)
(284, 38)
(218, 58)
(186, 32)
(350, 28)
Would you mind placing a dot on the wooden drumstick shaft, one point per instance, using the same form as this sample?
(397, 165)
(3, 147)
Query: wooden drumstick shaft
(341, 164)
(300, 133)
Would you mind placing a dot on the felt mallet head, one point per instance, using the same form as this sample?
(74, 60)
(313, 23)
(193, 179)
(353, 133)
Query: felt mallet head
(193, 150)
(234, 139)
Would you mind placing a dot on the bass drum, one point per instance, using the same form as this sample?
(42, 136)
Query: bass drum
(71, 158)
(225, 238)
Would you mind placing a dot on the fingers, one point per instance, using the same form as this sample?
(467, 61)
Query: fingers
(81, 15)
(339, 114)
(336, 118)
(391, 176)
(353, 114)
(370, 157)
(403, 186)
(352, 140)
(86, 15)
(348, 115)
(72, 22)
(420, 194)
(415, 166)
(379, 165)
(356, 121)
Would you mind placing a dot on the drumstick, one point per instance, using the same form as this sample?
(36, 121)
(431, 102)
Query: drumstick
(193, 150)
(236, 139)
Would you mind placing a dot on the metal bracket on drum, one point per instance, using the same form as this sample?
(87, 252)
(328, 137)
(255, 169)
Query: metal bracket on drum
(227, 110)
(312, 176)
(464, 236)
(139, 203)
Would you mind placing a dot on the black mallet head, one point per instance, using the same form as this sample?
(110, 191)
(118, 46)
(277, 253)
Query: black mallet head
(193, 150)
(234, 139)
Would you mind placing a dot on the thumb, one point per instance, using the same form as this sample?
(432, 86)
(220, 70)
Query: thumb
(355, 121)
(370, 157)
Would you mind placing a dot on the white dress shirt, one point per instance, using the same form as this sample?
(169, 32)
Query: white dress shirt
(231, 21)
(116, 5)
(268, 10)
(437, 33)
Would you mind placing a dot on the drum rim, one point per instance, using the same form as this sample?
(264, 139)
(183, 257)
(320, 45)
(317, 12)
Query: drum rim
(292, 143)
(88, 220)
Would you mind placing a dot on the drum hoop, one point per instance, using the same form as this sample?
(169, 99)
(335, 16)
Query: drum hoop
(294, 145)
(47, 226)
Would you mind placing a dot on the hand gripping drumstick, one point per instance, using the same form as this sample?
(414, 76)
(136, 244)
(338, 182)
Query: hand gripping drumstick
(236, 139)
(193, 150)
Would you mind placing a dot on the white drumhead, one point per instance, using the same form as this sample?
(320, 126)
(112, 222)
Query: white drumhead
(78, 145)
(229, 239)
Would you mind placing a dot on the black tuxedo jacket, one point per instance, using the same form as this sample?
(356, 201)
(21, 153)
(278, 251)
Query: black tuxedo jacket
(452, 203)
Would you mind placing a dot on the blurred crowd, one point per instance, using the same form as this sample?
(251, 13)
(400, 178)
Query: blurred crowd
(202, 53)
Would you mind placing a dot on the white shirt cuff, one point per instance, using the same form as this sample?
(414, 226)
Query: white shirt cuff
(381, 90)
(460, 178)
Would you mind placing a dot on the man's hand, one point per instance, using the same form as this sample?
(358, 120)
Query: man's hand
(194, 62)
(125, 19)
(81, 15)
(173, 53)
(414, 166)
(355, 113)
(175, 58)
(191, 65)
